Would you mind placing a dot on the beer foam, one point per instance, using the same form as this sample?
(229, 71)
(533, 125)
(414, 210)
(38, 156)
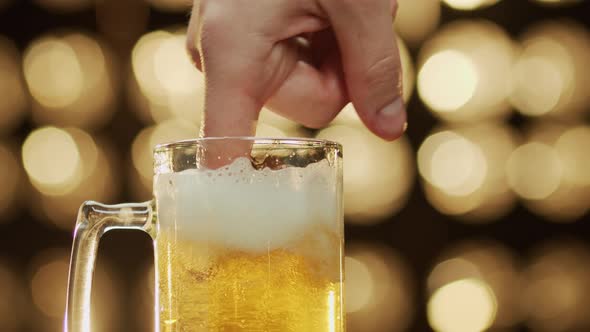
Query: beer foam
(240, 207)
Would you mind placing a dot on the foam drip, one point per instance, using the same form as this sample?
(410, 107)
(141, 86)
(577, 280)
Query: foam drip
(243, 208)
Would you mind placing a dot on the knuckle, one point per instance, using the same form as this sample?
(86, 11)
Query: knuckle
(383, 75)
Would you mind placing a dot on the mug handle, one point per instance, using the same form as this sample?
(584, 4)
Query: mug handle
(94, 220)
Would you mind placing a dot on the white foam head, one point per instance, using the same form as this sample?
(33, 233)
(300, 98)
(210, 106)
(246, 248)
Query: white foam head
(247, 209)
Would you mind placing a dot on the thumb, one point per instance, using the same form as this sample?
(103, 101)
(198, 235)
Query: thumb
(371, 62)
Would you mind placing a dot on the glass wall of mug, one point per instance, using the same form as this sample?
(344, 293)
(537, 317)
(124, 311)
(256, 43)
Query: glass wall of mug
(248, 235)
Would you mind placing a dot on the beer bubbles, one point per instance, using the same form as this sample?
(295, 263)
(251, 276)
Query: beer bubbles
(463, 70)
(165, 83)
(48, 285)
(66, 167)
(379, 290)
(463, 170)
(549, 171)
(378, 175)
(70, 77)
(14, 100)
(473, 287)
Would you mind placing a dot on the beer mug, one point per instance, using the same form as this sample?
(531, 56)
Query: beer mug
(247, 233)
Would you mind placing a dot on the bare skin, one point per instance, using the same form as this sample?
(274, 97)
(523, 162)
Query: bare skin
(303, 59)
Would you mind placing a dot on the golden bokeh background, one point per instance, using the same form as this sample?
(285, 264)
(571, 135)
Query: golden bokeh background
(475, 220)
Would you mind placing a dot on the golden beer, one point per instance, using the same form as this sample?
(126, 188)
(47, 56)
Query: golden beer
(217, 290)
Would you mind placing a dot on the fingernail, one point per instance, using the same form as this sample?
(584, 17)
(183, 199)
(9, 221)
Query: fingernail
(394, 108)
(392, 120)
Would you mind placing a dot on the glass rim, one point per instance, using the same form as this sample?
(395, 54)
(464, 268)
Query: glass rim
(283, 142)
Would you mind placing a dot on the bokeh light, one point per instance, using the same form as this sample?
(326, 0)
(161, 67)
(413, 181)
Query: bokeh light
(52, 160)
(12, 300)
(14, 99)
(549, 77)
(171, 5)
(416, 19)
(466, 305)
(378, 175)
(379, 290)
(463, 171)
(549, 171)
(447, 80)
(469, 4)
(464, 71)
(10, 177)
(67, 167)
(142, 150)
(70, 77)
(165, 83)
(474, 286)
(48, 285)
(65, 6)
(555, 296)
(557, 3)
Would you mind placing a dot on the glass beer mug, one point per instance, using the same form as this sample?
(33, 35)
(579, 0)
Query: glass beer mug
(255, 244)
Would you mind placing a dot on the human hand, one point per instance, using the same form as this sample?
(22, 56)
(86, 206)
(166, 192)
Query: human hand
(303, 59)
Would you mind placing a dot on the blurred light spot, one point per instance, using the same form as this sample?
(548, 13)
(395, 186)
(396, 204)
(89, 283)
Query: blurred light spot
(571, 147)
(144, 143)
(549, 173)
(378, 174)
(11, 301)
(491, 264)
(463, 171)
(558, 2)
(466, 305)
(168, 84)
(65, 6)
(447, 81)
(51, 159)
(408, 70)
(379, 288)
(359, 285)
(557, 286)
(456, 165)
(534, 170)
(10, 177)
(53, 73)
(548, 78)
(67, 167)
(49, 285)
(469, 4)
(14, 99)
(71, 79)
(416, 19)
(464, 71)
(171, 5)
